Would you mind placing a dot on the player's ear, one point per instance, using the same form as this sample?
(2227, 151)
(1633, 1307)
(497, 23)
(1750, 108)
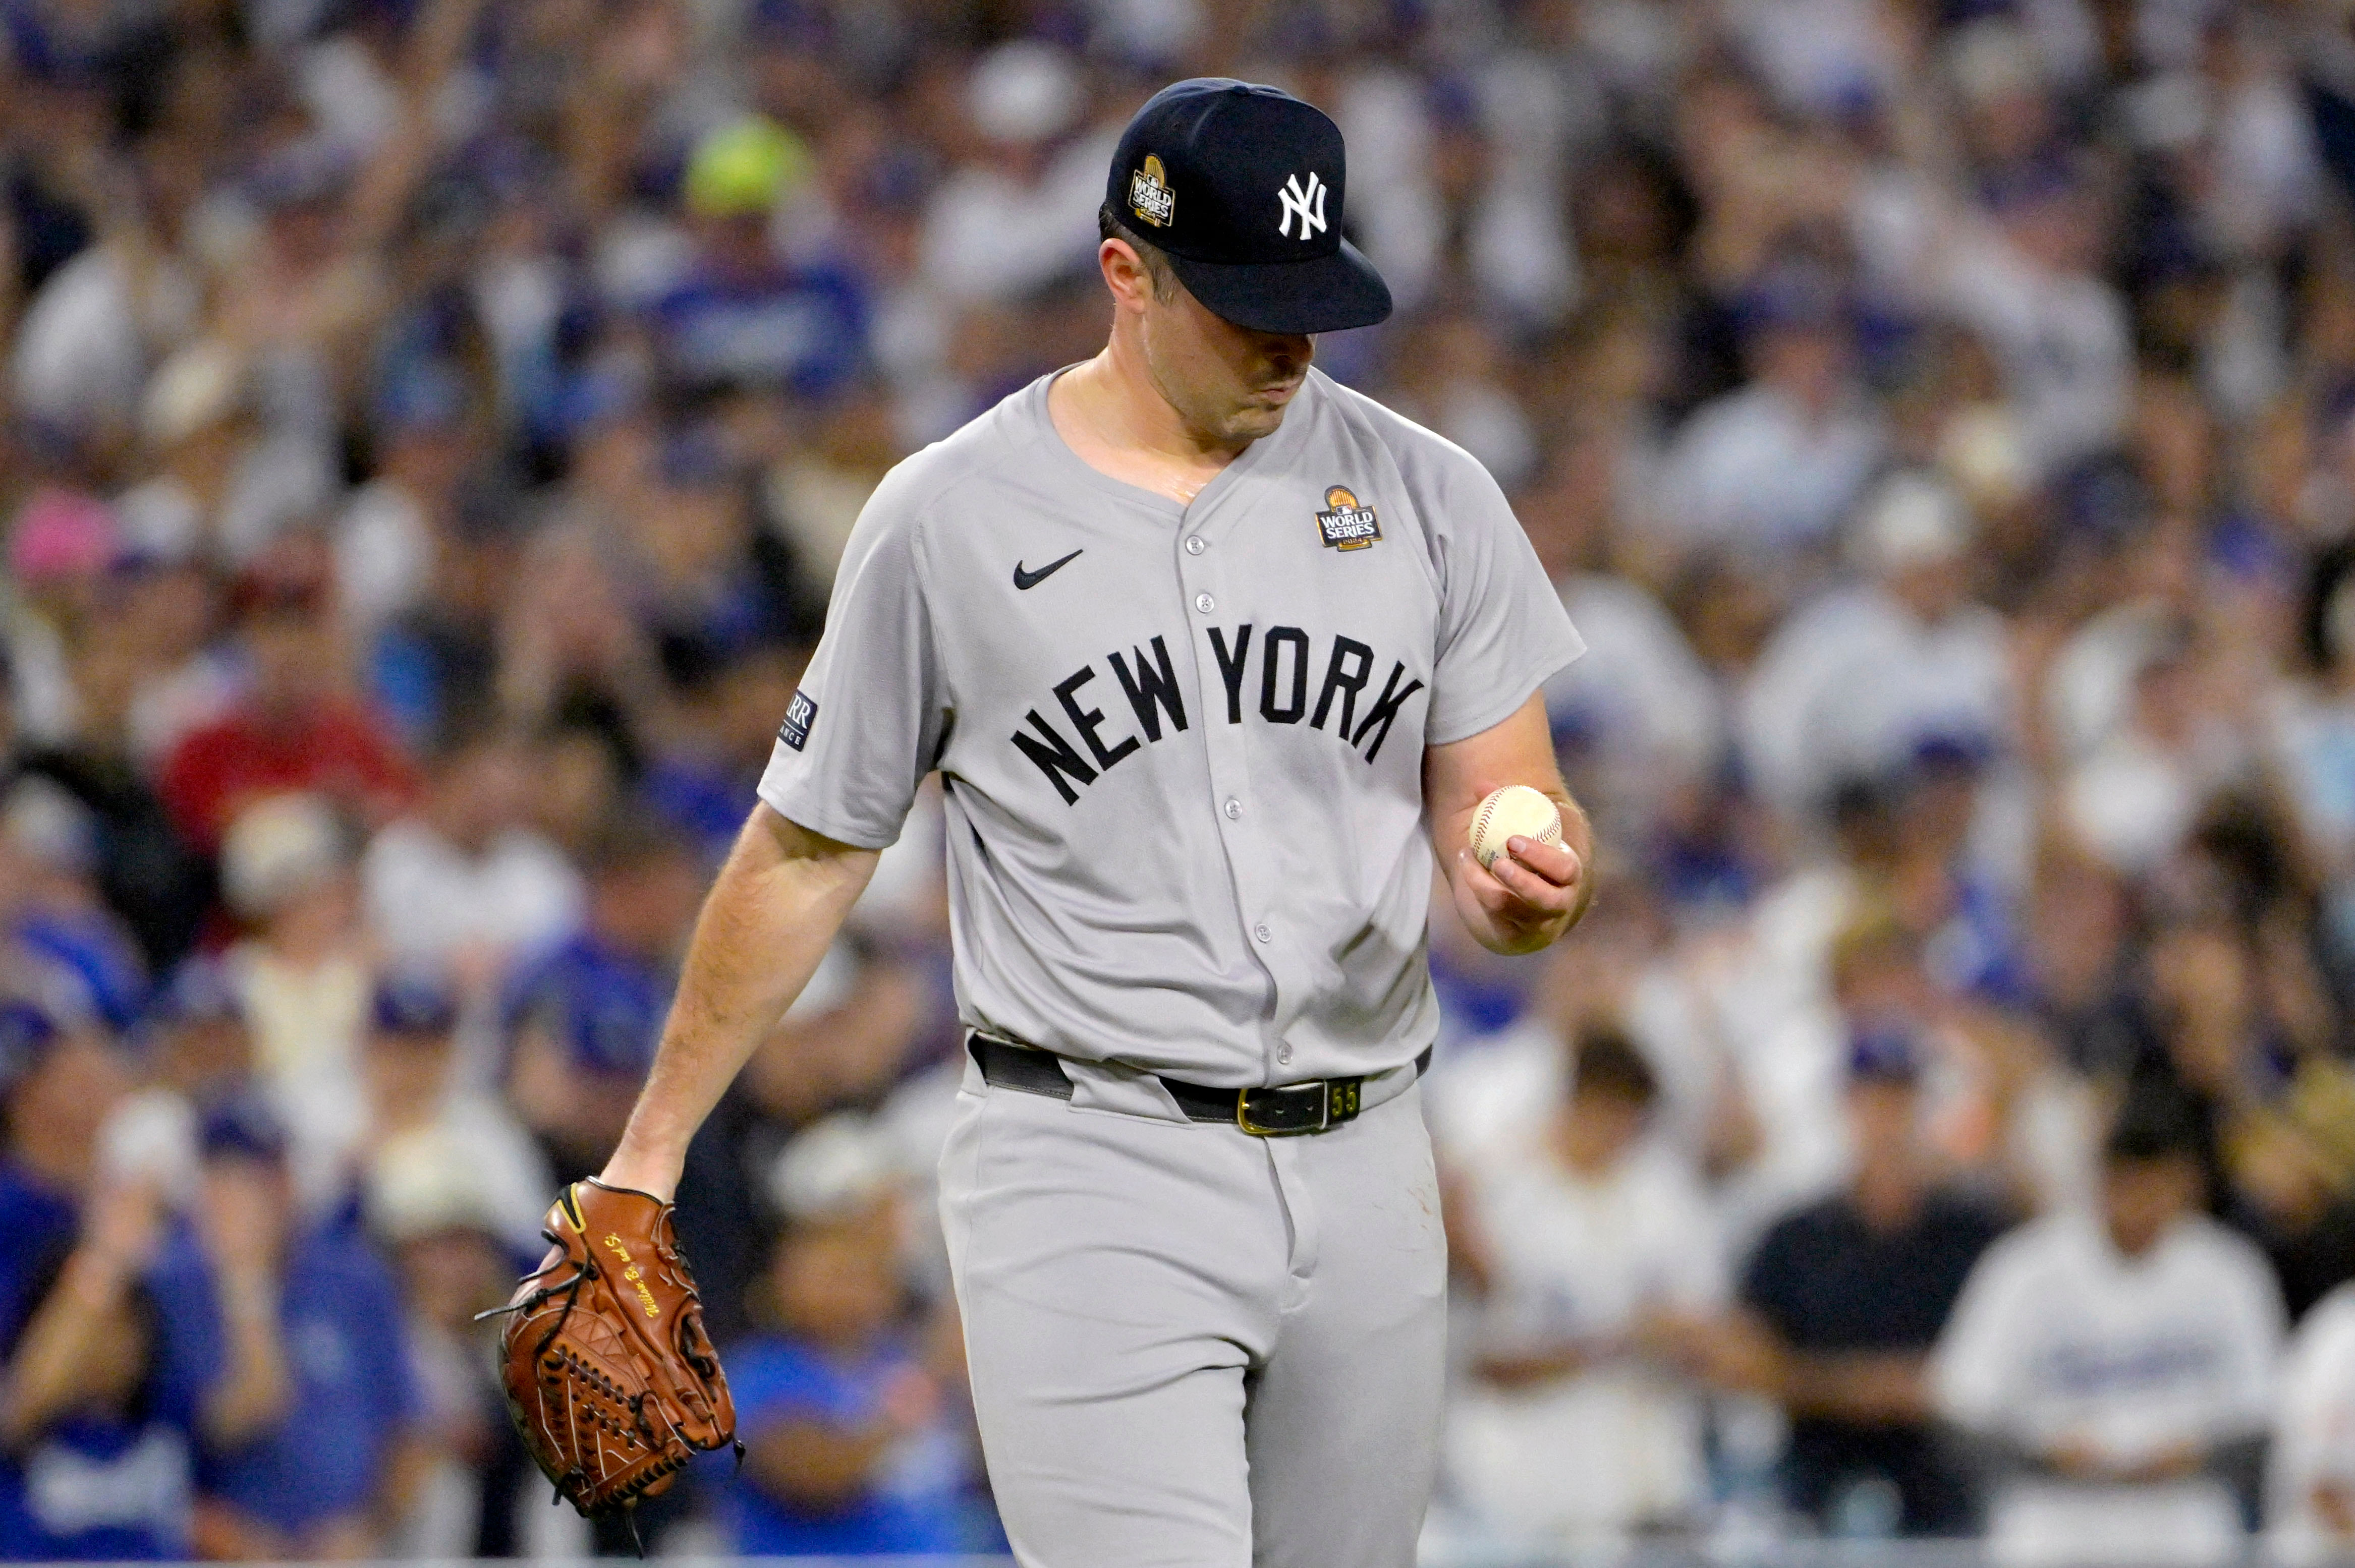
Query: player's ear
(1124, 274)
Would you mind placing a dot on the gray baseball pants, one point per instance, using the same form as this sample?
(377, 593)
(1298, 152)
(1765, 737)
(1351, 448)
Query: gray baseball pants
(1191, 1348)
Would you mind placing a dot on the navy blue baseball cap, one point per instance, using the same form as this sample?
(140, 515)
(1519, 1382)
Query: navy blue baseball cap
(1241, 186)
(415, 1002)
(242, 1127)
(1882, 1053)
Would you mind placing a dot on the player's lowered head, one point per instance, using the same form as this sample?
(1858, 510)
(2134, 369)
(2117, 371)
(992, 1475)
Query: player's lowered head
(1222, 248)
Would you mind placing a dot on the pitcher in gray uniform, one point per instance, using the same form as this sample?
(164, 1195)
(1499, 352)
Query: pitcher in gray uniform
(1210, 653)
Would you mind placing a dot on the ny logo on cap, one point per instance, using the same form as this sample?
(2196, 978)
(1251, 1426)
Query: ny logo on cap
(1307, 203)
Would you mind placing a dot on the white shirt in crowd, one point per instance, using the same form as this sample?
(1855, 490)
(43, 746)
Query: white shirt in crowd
(428, 898)
(1604, 1450)
(991, 235)
(2059, 1338)
(1653, 716)
(1506, 1085)
(1754, 472)
(2314, 1434)
(2060, 338)
(1853, 682)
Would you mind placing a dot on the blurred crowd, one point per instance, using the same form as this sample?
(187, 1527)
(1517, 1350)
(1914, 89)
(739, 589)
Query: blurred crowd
(428, 429)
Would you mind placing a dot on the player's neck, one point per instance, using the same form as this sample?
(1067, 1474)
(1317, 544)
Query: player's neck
(1109, 411)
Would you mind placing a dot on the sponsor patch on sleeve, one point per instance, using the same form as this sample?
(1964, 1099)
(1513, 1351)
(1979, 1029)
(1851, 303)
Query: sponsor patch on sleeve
(1346, 525)
(800, 714)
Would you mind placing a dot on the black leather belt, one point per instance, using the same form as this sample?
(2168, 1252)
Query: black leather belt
(1281, 1110)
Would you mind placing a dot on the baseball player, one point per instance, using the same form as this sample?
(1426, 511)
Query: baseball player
(1212, 653)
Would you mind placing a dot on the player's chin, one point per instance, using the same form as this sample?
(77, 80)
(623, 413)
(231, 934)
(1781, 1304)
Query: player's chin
(1255, 420)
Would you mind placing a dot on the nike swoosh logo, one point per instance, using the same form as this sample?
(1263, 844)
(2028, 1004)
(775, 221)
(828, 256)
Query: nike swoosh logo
(1023, 579)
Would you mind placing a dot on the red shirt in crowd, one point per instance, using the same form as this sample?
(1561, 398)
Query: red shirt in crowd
(338, 749)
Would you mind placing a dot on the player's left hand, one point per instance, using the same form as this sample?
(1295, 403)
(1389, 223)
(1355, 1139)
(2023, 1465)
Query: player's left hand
(1522, 900)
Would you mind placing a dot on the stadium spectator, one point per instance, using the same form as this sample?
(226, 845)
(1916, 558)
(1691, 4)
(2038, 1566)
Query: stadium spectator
(61, 921)
(1590, 1253)
(145, 871)
(1627, 975)
(2119, 1365)
(101, 1404)
(744, 315)
(855, 1444)
(1014, 214)
(1766, 473)
(385, 539)
(302, 978)
(335, 1466)
(2312, 726)
(297, 728)
(2079, 952)
(584, 1018)
(61, 545)
(465, 881)
(424, 1109)
(438, 661)
(1844, 1300)
(1855, 682)
(2309, 1479)
(455, 1258)
(98, 1411)
(196, 1043)
(1652, 723)
(703, 779)
(118, 1363)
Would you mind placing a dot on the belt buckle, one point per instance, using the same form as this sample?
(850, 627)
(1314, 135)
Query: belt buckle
(1321, 1087)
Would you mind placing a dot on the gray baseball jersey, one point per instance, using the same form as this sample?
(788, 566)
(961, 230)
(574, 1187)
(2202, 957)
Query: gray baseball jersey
(1182, 746)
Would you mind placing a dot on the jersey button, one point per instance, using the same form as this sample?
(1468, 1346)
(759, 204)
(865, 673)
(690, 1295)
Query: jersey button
(1234, 809)
(1283, 1056)
(1205, 603)
(1263, 932)
(1197, 545)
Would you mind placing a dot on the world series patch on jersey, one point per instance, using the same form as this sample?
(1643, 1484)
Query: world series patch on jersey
(1345, 524)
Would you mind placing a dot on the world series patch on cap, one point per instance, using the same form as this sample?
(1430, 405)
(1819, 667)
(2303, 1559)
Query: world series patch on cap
(1242, 186)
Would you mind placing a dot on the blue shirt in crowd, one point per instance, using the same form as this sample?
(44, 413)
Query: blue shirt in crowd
(353, 1389)
(803, 329)
(104, 1485)
(918, 1505)
(603, 1004)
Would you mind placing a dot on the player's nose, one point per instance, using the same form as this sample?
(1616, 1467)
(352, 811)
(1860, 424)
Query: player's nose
(1288, 352)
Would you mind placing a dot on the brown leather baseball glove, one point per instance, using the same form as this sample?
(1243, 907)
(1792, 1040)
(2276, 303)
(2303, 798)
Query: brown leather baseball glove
(609, 1375)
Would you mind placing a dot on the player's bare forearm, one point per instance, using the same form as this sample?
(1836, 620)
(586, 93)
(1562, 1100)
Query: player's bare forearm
(768, 920)
(1529, 896)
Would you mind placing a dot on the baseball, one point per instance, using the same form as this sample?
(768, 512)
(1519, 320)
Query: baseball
(1515, 811)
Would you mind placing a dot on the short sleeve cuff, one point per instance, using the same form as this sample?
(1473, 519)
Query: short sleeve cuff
(1501, 700)
(789, 788)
